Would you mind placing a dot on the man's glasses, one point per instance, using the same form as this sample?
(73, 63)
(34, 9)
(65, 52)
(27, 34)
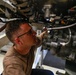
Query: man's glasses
(28, 32)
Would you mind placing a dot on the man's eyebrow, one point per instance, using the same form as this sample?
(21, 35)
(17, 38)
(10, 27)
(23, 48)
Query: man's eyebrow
(24, 33)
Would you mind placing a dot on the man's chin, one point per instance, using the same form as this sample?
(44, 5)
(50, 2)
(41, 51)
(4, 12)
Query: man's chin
(35, 43)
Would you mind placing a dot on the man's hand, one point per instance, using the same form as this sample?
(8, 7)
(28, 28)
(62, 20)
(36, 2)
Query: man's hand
(40, 37)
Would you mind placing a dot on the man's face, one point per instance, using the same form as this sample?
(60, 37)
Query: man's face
(27, 35)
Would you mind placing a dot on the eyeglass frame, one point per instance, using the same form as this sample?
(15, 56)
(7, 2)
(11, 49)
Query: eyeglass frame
(24, 33)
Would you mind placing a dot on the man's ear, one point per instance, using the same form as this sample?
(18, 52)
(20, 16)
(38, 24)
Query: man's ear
(17, 40)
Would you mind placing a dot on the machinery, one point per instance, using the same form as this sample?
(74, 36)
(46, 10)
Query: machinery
(58, 17)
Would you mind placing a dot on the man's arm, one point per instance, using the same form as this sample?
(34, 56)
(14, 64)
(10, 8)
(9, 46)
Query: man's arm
(40, 38)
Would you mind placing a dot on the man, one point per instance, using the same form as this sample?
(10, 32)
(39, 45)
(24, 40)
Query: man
(19, 58)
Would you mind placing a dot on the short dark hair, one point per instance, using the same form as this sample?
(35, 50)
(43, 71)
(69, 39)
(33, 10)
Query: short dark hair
(12, 27)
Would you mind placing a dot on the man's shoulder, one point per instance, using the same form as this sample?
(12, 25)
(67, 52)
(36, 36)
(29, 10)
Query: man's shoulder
(13, 57)
(10, 56)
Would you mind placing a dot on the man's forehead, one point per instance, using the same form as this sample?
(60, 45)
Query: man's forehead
(25, 26)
